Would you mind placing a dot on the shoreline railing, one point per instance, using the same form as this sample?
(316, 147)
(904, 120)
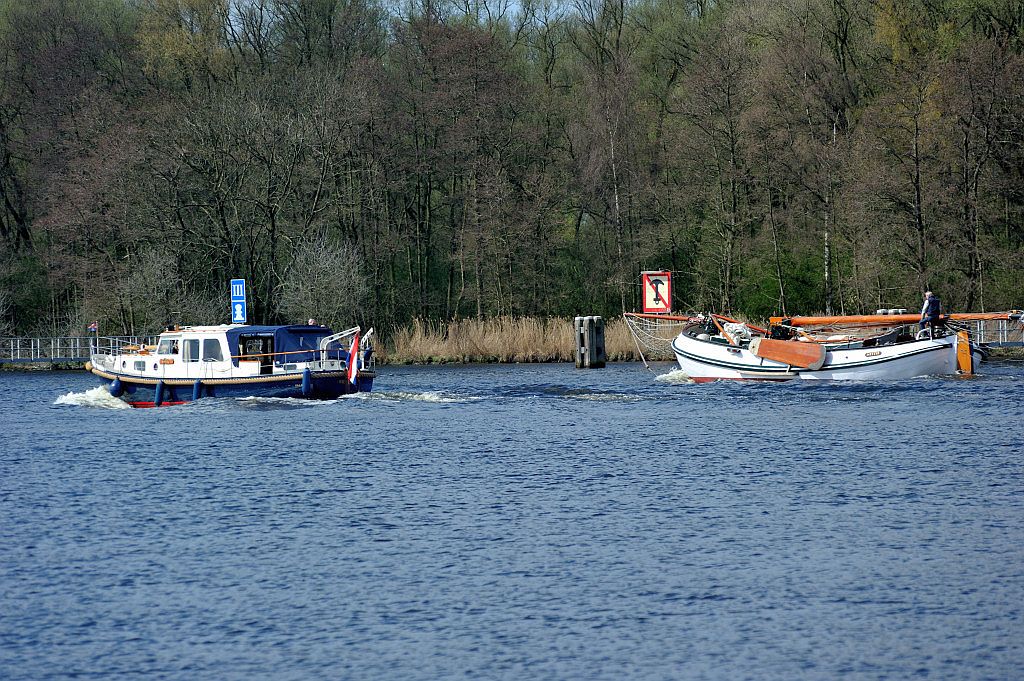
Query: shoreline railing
(62, 349)
(998, 333)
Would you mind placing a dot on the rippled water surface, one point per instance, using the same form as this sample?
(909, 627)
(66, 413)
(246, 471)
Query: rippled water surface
(517, 522)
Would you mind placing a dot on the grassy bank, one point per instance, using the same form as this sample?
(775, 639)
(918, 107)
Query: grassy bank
(503, 339)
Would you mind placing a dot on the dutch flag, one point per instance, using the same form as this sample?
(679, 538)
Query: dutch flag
(353, 359)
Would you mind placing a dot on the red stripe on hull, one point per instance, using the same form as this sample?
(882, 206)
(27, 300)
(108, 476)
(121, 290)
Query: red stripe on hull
(712, 379)
(151, 405)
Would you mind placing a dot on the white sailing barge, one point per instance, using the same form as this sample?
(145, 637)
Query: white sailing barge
(851, 347)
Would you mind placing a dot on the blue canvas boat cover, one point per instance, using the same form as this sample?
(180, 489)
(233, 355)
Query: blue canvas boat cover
(290, 339)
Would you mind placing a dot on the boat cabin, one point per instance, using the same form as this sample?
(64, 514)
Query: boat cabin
(232, 351)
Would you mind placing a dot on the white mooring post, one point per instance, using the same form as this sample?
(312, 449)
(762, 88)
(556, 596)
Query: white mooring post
(590, 352)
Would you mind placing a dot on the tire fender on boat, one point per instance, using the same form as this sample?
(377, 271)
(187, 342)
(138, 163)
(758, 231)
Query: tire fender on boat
(159, 397)
(307, 383)
(197, 390)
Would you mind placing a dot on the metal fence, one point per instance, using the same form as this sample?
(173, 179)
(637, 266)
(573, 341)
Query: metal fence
(998, 333)
(63, 349)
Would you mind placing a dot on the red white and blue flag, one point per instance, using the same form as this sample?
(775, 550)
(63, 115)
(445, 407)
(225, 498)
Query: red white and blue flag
(353, 359)
(95, 326)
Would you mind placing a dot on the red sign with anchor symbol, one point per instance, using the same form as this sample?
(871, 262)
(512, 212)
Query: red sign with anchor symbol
(657, 291)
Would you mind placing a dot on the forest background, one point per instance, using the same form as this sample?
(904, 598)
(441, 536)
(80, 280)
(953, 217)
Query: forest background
(367, 162)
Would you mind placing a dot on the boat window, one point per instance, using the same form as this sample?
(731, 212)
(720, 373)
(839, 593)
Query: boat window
(168, 346)
(211, 350)
(191, 347)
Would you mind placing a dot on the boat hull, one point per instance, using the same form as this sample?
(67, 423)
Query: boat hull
(141, 392)
(706, 360)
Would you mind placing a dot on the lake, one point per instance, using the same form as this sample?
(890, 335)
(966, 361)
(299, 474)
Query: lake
(517, 522)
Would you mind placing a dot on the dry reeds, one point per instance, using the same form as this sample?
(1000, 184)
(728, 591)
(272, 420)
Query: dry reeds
(502, 339)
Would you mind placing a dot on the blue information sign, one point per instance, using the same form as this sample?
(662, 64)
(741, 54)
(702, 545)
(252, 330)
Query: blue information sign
(238, 312)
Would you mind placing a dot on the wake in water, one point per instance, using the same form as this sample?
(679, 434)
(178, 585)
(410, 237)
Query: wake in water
(603, 397)
(572, 393)
(434, 396)
(674, 377)
(285, 402)
(96, 397)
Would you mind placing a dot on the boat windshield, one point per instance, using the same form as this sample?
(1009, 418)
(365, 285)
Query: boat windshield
(168, 346)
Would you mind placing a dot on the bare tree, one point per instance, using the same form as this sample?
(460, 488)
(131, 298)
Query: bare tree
(324, 282)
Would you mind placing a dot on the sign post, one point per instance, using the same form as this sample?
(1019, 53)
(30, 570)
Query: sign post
(238, 311)
(657, 292)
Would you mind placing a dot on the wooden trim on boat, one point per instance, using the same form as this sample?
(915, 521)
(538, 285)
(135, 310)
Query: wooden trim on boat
(736, 321)
(851, 320)
(964, 359)
(721, 329)
(794, 353)
(288, 352)
(885, 320)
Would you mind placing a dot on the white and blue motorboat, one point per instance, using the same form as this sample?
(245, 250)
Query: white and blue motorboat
(192, 362)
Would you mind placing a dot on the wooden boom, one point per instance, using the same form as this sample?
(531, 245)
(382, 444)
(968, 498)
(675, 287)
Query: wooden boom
(888, 319)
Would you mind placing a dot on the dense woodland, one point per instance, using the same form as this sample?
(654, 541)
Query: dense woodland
(366, 162)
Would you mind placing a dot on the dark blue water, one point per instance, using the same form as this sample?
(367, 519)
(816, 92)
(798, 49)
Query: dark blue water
(517, 522)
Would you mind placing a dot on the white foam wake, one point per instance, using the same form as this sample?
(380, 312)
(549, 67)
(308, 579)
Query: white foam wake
(674, 377)
(429, 396)
(605, 397)
(95, 397)
(292, 401)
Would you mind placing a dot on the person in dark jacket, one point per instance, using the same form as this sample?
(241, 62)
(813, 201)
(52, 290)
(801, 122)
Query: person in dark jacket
(931, 312)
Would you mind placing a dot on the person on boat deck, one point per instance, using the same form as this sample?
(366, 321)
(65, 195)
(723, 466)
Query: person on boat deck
(931, 311)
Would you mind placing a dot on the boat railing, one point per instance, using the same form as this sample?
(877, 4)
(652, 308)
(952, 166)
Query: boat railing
(119, 345)
(329, 364)
(323, 358)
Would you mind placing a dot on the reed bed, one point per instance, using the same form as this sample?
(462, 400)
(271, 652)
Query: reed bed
(501, 339)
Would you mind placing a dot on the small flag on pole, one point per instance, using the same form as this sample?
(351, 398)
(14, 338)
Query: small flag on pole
(353, 360)
(95, 326)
